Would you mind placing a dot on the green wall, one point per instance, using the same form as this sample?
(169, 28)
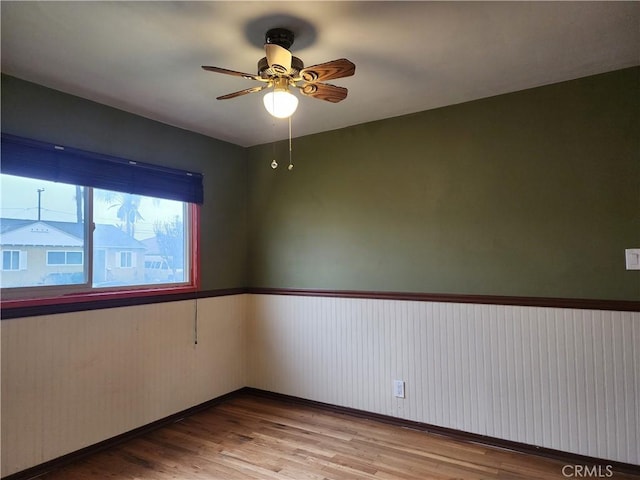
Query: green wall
(534, 193)
(33, 111)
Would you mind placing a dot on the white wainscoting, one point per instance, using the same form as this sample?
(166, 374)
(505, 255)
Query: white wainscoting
(75, 379)
(558, 378)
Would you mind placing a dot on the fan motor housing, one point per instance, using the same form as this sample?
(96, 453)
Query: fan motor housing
(265, 71)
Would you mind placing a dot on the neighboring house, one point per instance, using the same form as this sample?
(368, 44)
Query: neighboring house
(156, 266)
(39, 252)
(117, 257)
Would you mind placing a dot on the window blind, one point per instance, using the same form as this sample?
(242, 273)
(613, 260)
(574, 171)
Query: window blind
(47, 161)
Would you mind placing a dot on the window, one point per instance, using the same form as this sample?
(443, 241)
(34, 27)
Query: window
(120, 233)
(125, 259)
(11, 259)
(64, 258)
(74, 258)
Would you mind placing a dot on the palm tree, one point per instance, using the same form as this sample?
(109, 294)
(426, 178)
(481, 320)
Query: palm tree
(170, 238)
(128, 206)
(78, 198)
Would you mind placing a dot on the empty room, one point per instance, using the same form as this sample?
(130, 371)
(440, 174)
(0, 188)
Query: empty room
(320, 240)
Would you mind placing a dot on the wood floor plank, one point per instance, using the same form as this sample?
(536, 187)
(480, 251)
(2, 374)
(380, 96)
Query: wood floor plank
(253, 438)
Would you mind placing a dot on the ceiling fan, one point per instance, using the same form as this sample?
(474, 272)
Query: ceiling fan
(280, 70)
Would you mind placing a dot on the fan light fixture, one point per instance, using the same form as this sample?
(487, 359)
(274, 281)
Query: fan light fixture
(279, 69)
(280, 102)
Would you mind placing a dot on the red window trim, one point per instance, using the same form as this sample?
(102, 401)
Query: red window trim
(132, 292)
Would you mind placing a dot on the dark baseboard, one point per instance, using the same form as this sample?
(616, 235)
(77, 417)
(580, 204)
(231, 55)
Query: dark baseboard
(69, 458)
(567, 458)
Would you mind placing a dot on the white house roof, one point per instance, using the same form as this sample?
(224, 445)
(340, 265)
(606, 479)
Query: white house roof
(24, 232)
(38, 234)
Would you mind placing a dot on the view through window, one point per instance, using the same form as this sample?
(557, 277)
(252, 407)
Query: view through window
(136, 240)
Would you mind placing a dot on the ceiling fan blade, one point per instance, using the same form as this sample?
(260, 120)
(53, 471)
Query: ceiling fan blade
(248, 76)
(242, 92)
(328, 71)
(324, 91)
(278, 58)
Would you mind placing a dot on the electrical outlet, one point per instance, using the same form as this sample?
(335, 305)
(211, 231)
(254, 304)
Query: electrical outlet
(398, 388)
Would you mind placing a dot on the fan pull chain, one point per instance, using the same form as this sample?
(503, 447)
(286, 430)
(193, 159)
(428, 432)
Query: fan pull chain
(274, 164)
(290, 167)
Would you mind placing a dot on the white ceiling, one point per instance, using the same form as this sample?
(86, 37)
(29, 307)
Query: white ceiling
(145, 57)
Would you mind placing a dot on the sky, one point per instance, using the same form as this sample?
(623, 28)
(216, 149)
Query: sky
(19, 199)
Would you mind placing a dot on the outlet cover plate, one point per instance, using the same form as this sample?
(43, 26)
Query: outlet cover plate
(632, 258)
(398, 388)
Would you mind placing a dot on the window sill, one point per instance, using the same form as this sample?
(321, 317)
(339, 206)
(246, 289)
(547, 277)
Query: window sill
(94, 300)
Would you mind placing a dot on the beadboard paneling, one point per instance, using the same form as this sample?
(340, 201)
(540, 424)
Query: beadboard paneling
(559, 378)
(74, 379)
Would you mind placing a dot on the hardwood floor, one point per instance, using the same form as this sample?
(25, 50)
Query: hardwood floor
(254, 438)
